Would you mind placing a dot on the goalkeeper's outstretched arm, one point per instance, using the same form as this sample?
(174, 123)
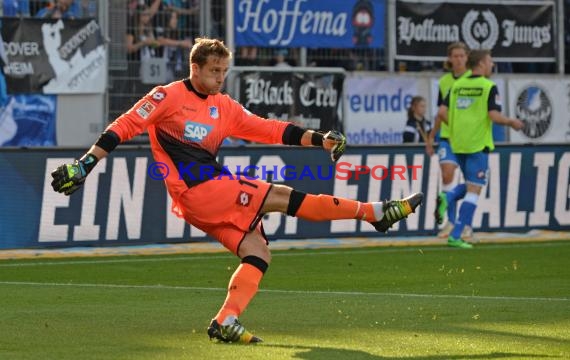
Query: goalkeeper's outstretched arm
(68, 178)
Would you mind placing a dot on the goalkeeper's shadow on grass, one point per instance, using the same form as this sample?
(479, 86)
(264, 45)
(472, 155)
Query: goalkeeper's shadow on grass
(504, 334)
(319, 353)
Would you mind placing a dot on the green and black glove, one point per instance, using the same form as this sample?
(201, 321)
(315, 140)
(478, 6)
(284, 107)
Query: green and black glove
(338, 149)
(68, 178)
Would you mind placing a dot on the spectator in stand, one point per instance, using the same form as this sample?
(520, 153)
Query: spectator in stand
(417, 127)
(134, 6)
(179, 28)
(172, 47)
(16, 8)
(141, 43)
(140, 39)
(280, 59)
(37, 5)
(167, 33)
(85, 8)
(61, 9)
(247, 56)
(183, 9)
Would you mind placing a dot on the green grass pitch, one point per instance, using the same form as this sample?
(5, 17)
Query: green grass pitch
(502, 301)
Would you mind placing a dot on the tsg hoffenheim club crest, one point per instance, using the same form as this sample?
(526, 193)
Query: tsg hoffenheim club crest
(214, 112)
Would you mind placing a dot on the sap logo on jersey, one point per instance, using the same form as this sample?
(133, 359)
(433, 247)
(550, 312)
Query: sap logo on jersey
(464, 103)
(195, 131)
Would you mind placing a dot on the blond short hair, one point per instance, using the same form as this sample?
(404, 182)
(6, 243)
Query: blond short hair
(205, 47)
(450, 48)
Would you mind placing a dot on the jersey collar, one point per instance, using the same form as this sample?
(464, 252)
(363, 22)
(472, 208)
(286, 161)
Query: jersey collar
(191, 88)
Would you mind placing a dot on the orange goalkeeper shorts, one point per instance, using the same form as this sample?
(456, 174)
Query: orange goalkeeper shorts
(226, 209)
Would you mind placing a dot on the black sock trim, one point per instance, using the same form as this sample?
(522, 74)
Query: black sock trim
(256, 262)
(295, 200)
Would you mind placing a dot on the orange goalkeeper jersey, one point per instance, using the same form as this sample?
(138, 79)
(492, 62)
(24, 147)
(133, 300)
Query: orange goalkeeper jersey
(186, 130)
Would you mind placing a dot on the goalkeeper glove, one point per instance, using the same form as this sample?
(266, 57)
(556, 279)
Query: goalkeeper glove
(68, 178)
(340, 143)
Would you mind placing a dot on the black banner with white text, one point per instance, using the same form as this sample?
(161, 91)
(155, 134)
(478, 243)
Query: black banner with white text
(513, 30)
(54, 56)
(311, 100)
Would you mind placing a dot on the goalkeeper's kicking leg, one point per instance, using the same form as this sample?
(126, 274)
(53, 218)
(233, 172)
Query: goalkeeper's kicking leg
(382, 215)
(252, 248)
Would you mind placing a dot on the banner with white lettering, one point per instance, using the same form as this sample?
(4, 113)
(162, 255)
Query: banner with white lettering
(309, 99)
(376, 107)
(521, 31)
(310, 23)
(544, 106)
(124, 201)
(54, 56)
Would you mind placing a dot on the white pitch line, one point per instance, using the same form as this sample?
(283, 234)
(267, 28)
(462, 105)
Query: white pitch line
(277, 291)
(278, 253)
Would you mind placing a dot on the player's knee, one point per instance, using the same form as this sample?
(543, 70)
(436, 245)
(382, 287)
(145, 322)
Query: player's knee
(254, 246)
(474, 189)
(262, 252)
(447, 174)
(446, 179)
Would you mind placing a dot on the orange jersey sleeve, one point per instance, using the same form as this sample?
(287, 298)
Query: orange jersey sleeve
(153, 106)
(248, 126)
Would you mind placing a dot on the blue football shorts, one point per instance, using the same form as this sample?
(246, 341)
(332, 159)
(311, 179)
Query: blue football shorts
(475, 167)
(445, 154)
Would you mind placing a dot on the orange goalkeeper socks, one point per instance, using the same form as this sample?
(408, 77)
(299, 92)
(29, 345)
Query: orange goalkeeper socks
(325, 207)
(241, 289)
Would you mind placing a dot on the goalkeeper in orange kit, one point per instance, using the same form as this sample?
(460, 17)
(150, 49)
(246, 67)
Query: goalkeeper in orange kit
(187, 121)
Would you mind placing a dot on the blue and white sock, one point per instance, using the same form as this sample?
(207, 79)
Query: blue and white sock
(455, 194)
(465, 214)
